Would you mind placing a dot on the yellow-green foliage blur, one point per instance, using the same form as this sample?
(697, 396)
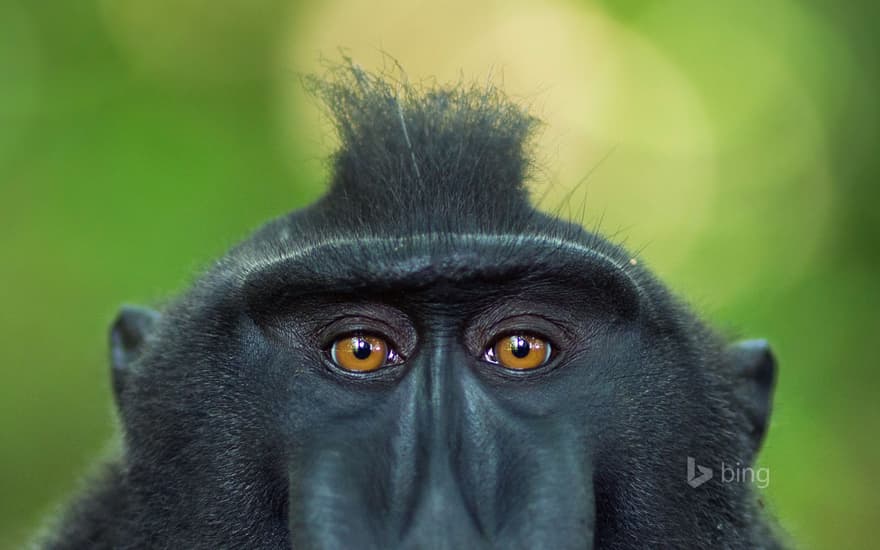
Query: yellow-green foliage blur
(734, 144)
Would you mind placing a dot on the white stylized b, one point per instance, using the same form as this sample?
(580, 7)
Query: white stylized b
(692, 478)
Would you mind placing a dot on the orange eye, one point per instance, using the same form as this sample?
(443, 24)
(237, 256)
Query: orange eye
(519, 352)
(361, 353)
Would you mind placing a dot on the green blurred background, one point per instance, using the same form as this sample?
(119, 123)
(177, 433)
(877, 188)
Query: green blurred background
(733, 143)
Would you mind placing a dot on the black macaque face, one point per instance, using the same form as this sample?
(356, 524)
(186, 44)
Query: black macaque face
(422, 360)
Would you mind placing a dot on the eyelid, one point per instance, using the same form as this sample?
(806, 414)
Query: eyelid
(555, 332)
(389, 342)
(359, 325)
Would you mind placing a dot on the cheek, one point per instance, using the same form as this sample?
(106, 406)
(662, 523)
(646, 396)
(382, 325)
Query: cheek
(610, 384)
(308, 401)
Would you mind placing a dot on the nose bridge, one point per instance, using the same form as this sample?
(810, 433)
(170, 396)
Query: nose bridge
(439, 393)
(440, 419)
(428, 418)
(441, 508)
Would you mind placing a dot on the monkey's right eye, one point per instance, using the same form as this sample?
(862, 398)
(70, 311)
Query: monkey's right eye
(362, 353)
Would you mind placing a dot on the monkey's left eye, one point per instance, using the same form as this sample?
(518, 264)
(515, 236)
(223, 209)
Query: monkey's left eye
(362, 353)
(519, 352)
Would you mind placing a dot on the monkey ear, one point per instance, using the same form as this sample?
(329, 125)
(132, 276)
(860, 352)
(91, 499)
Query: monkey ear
(127, 334)
(755, 371)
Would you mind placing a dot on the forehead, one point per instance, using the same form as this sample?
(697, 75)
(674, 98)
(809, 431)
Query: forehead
(421, 262)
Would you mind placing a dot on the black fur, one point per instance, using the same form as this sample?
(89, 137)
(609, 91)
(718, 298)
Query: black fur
(239, 433)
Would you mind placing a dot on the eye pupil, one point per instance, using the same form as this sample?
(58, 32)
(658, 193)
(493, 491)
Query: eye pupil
(361, 348)
(520, 347)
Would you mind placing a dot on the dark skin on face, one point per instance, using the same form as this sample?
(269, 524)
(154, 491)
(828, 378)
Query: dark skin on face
(462, 428)
(452, 370)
